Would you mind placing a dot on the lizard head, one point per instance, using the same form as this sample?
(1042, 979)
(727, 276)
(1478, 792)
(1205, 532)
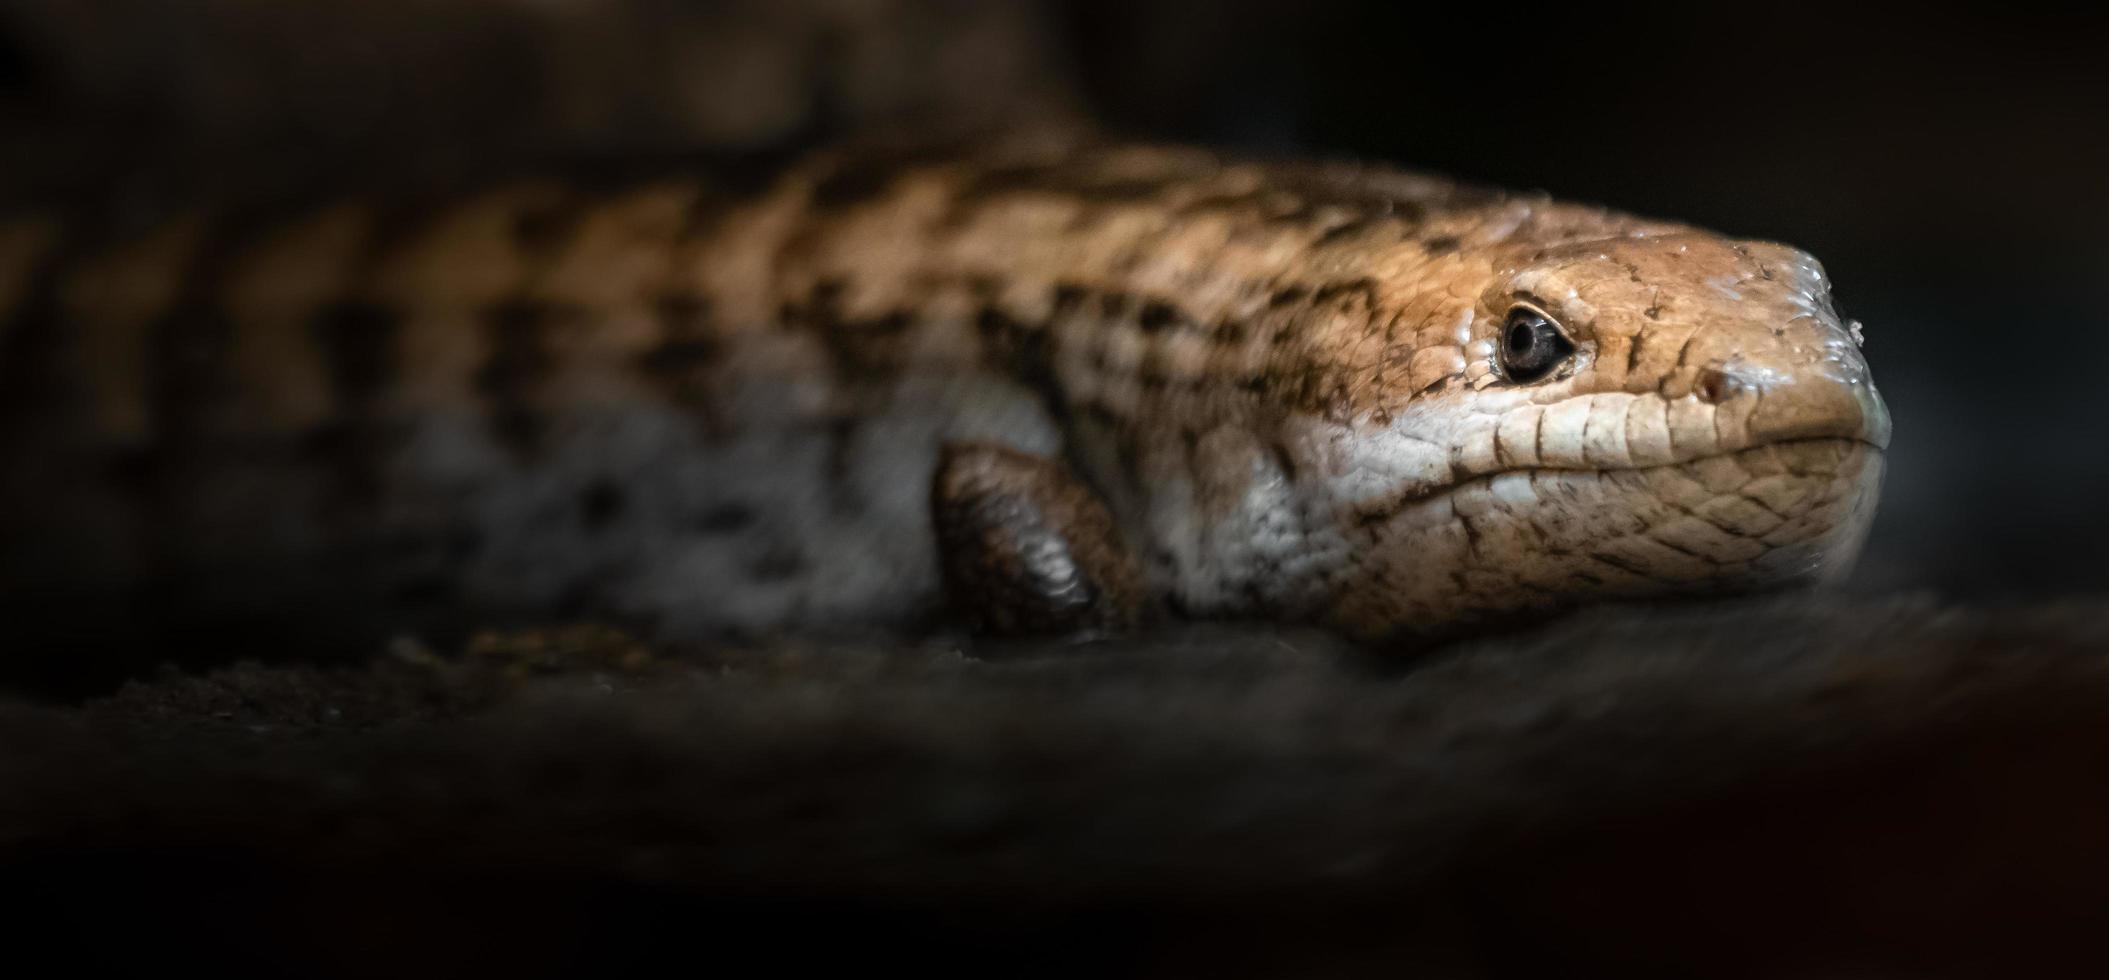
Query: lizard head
(1664, 413)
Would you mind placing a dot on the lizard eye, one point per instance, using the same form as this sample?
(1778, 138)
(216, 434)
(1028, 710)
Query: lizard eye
(1532, 345)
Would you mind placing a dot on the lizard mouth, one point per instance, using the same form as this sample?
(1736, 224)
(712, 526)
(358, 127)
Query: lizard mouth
(1772, 513)
(1768, 516)
(1764, 514)
(1795, 456)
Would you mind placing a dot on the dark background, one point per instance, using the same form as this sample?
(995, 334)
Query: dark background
(1947, 166)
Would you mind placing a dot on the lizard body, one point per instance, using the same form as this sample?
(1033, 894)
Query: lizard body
(1296, 390)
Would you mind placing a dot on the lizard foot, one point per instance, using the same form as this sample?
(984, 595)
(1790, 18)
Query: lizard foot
(1027, 548)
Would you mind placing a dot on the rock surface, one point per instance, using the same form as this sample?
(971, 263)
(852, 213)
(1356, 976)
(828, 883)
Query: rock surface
(1764, 788)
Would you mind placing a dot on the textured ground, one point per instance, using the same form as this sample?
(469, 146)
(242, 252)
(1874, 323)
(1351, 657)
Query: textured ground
(1784, 787)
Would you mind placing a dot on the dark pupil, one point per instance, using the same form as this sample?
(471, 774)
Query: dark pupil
(1532, 347)
(1521, 335)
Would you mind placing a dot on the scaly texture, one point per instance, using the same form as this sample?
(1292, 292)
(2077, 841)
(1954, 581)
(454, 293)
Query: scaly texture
(699, 411)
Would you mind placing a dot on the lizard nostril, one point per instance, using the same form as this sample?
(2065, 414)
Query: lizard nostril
(1716, 386)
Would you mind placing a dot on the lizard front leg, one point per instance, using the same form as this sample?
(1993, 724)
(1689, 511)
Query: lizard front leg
(1026, 547)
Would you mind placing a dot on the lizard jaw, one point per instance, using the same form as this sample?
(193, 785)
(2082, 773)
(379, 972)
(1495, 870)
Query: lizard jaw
(1773, 515)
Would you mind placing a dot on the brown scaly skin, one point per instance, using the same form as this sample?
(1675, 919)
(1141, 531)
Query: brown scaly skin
(700, 412)
(1027, 547)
